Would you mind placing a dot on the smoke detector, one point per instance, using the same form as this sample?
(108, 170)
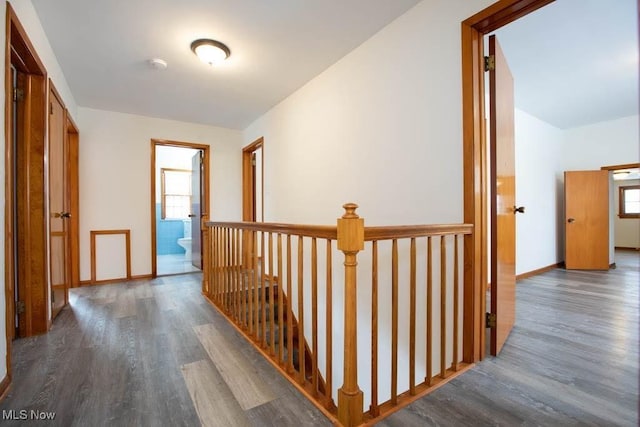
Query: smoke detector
(158, 64)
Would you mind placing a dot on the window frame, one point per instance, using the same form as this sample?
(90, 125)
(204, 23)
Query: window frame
(163, 195)
(621, 201)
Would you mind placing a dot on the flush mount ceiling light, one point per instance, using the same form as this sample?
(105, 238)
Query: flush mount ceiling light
(209, 51)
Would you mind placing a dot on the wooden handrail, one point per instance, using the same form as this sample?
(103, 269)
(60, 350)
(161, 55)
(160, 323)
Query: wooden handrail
(414, 231)
(317, 231)
(258, 279)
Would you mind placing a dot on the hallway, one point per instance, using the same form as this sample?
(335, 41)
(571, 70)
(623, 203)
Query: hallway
(154, 353)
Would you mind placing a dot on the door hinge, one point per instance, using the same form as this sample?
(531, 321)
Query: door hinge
(490, 320)
(18, 94)
(253, 159)
(53, 298)
(51, 108)
(489, 63)
(20, 308)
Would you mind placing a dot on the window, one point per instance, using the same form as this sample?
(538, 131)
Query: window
(630, 201)
(176, 193)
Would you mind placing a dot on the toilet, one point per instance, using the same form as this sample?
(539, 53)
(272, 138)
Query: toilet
(185, 242)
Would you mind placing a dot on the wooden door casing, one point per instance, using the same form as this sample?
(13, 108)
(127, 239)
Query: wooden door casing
(586, 220)
(503, 182)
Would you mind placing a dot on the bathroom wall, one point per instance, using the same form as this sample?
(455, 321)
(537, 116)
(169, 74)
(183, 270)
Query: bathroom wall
(168, 231)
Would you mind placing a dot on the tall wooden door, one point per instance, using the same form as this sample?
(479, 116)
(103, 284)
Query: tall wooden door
(586, 195)
(503, 182)
(196, 209)
(58, 205)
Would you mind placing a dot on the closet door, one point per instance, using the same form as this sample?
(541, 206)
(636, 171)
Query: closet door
(59, 211)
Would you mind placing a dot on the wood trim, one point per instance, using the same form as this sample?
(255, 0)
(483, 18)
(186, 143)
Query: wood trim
(94, 233)
(621, 190)
(20, 52)
(502, 13)
(539, 271)
(206, 160)
(317, 231)
(618, 167)
(5, 385)
(248, 191)
(413, 231)
(475, 163)
(109, 281)
(73, 143)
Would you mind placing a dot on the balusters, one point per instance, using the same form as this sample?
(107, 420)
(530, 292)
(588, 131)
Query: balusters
(314, 315)
(263, 294)
(375, 410)
(329, 325)
(251, 279)
(454, 363)
(443, 307)
(394, 322)
(290, 368)
(256, 288)
(272, 332)
(412, 319)
(429, 377)
(280, 303)
(301, 349)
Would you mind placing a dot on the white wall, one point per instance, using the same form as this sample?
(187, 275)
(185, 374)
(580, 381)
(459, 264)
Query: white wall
(115, 163)
(627, 230)
(614, 142)
(539, 188)
(382, 127)
(31, 22)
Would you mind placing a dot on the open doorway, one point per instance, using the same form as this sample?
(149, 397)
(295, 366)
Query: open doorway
(179, 205)
(478, 175)
(252, 181)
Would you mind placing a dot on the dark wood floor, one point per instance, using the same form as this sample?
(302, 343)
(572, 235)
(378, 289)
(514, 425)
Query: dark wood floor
(149, 353)
(154, 353)
(572, 358)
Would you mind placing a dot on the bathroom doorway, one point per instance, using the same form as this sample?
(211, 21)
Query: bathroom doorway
(180, 201)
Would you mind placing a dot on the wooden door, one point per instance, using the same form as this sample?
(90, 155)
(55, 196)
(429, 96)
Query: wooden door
(196, 209)
(58, 205)
(586, 196)
(503, 182)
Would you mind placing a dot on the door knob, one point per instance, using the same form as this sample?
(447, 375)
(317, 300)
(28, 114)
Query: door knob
(570, 220)
(192, 216)
(65, 215)
(520, 209)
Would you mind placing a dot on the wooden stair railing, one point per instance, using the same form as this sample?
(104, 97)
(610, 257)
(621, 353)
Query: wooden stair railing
(275, 284)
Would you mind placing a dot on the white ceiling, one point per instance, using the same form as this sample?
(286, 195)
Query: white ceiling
(276, 47)
(574, 61)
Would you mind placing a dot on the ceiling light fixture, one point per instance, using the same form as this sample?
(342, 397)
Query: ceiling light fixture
(620, 175)
(209, 51)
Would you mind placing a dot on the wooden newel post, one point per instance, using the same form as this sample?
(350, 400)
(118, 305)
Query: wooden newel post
(350, 241)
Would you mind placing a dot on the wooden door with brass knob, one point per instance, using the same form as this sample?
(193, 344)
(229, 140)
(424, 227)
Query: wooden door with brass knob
(59, 215)
(586, 220)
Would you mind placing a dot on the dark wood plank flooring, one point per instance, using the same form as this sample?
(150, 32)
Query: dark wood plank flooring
(141, 354)
(130, 354)
(572, 358)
